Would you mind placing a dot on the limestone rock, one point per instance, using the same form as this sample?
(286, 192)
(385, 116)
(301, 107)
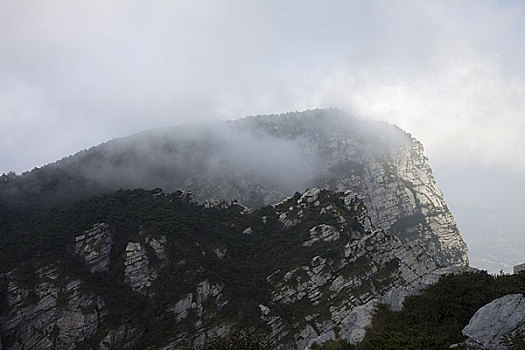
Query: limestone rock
(158, 244)
(354, 325)
(322, 232)
(500, 317)
(361, 269)
(399, 190)
(94, 246)
(180, 310)
(53, 313)
(137, 272)
(519, 268)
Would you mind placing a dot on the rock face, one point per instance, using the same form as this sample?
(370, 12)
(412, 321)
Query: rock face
(322, 232)
(340, 289)
(519, 268)
(373, 228)
(260, 160)
(401, 194)
(499, 318)
(158, 244)
(332, 266)
(94, 246)
(137, 272)
(49, 311)
(379, 162)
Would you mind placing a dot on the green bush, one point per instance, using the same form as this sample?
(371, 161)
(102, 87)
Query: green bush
(238, 340)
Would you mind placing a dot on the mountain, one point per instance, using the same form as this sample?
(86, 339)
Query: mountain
(156, 269)
(259, 161)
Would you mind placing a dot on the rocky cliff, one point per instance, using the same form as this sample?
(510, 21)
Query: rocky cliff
(304, 271)
(259, 161)
(147, 268)
(47, 310)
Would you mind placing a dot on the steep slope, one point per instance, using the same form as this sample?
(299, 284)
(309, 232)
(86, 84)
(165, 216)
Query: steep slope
(484, 310)
(259, 161)
(144, 268)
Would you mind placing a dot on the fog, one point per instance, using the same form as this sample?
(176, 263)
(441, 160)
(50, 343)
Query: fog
(75, 74)
(207, 152)
(258, 161)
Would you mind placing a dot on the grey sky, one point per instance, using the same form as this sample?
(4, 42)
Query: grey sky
(73, 74)
(77, 73)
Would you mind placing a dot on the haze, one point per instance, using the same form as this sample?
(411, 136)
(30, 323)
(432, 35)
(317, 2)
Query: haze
(74, 74)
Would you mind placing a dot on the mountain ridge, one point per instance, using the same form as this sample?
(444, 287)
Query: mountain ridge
(259, 161)
(204, 276)
(372, 228)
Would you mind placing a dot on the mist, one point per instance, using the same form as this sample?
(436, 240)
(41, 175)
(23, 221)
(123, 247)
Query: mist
(256, 161)
(209, 154)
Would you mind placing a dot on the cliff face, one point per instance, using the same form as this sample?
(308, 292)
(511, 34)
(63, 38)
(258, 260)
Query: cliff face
(154, 269)
(339, 288)
(401, 192)
(378, 161)
(47, 310)
(312, 265)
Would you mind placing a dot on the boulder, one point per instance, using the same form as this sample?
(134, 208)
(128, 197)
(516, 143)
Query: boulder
(519, 268)
(499, 318)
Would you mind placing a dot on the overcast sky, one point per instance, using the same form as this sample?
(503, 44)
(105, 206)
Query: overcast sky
(77, 73)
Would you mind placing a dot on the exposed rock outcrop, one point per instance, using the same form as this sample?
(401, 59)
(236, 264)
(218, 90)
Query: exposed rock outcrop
(94, 246)
(400, 192)
(341, 288)
(334, 266)
(501, 317)
(158, 245)
(322, 232)
(384, 232)
(48, 310)
(137, 272)
(519, 268)
(194, 303)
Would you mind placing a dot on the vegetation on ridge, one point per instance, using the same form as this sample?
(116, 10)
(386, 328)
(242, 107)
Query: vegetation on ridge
(434, 318)
(262, 150)
(194, 233)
